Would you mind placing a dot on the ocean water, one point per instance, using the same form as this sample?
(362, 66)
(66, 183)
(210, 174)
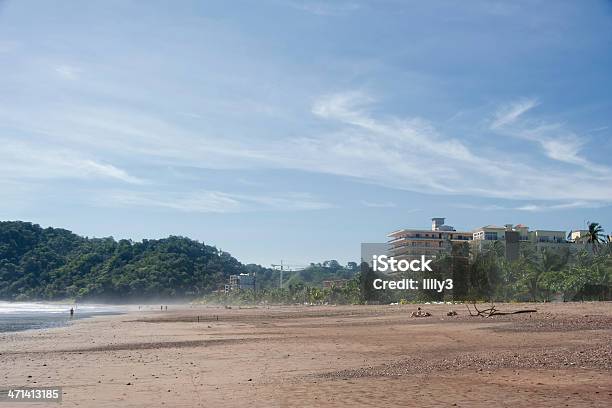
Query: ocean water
(16, 316)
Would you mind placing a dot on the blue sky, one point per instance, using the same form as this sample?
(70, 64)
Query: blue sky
(295, 130)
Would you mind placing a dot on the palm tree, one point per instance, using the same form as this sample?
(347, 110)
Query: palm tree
(594, 235)
(549, 261)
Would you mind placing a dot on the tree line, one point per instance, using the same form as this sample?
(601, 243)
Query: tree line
(539, 274)
(53, 263)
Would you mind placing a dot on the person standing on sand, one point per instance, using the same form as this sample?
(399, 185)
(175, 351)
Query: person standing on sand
(71, 312)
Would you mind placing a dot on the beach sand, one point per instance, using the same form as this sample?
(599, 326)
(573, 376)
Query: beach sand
(321, 356)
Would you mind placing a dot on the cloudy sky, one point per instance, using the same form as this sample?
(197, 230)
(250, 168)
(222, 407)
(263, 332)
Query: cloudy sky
(295, 130)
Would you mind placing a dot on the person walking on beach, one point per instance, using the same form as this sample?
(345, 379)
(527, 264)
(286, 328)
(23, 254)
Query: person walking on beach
(71, 312)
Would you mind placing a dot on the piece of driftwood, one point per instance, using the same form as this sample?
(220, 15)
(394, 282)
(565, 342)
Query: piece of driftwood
(492, 311)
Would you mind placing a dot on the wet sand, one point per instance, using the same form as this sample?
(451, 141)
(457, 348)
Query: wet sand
(321, 356)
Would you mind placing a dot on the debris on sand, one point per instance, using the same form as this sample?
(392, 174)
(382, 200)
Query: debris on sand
(420, 313)
(492, 311)
(451, 313)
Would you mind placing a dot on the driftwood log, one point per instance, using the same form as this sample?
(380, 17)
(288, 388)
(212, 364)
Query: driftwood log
(492, 311)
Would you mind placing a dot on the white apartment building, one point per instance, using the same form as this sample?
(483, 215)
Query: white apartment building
(495, 233)
(412, 243)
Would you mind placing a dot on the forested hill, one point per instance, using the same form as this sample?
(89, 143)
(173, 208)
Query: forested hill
(53, 263)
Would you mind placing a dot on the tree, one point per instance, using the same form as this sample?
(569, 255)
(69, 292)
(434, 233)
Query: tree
(542, 264)
(366, 283)
(594, 235)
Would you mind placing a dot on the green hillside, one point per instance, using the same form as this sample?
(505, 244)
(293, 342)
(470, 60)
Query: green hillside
(53, 263)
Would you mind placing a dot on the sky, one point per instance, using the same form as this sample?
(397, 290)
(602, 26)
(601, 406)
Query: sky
(296, 130)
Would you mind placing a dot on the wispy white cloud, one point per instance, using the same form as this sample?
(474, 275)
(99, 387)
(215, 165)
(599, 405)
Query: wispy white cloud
(352, 108)
(410, 153)
(211, 201)
(557, 141)
(89, 166)
(19, 160)
(68, 72)
(537, 207)
(508, 114)
(349, 106)
(565, 149)
(562, 206)
(598, 129)
(285, 201)
(205, 201)
(407, 153)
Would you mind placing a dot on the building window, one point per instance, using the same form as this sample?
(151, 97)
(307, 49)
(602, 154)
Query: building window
(491, 236)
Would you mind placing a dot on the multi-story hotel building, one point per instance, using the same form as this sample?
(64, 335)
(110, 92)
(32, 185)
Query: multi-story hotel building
(494, 233)
(511, 237)
(412, 243)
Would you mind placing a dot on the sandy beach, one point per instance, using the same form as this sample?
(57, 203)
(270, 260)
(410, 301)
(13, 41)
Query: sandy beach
(321, 356)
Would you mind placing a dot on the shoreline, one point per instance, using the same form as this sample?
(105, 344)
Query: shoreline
(26, 316)
(321, 356)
